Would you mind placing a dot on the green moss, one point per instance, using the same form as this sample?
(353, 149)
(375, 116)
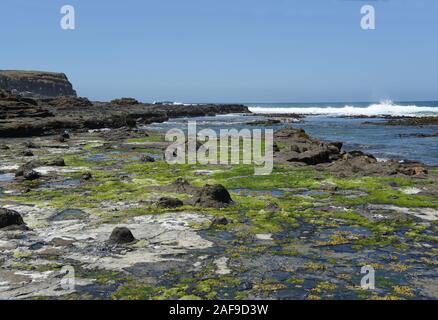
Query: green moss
(21, 254)
(377, 241)
(242, 176)
(133, 291)
(380, 192)
(209, 287)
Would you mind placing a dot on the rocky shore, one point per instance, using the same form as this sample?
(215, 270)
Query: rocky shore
(26, 117)
(104, 205)
(133, 227)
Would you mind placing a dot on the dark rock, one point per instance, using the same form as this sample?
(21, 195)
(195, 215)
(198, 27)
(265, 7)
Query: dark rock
(125, 102)
(57, 163)
(36, 83)
(27, 167)
(87, 176)
(419, 135)
(65, 135)
(60, 242)
(265, 123)
(219, 221)
(299, 147)
(180, 186)
(146, 158)
(27, 153)
(66, 102)
(358, 154)
(31, 175)
(212, 196)
(121, 235)
(4, 147)
(166, 202)
(338, 144)
(359, 163)
(311, 157)
(24, 117)
(30, 145)
(413, 170)
(406, 121)
(61, 138)
(10, 218)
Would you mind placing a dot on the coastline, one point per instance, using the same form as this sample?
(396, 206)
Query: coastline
(309, 226)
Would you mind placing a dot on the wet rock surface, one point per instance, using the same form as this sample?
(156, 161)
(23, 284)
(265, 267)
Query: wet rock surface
(303, 232)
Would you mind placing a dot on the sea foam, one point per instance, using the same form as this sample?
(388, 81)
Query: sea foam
(382, 108)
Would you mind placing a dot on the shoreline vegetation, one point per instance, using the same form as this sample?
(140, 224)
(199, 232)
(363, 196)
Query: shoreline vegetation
(84, 185)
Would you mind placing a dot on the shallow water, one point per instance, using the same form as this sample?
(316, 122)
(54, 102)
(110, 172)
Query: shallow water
(6, 177)
(251, 192)
(69, 214)
(384, 142)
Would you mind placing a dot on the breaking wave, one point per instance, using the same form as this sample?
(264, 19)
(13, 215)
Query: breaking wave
(379, 109)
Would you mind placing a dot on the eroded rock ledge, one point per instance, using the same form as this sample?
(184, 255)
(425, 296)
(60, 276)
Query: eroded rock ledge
(36, 83)
(24, 117)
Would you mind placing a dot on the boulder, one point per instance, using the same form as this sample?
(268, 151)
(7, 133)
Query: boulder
(219, 221)
(65, 135)
(212, 196)
(27, 167)
(297, 146)
(121, 235)
(10, 219)
(87, 176)
(167, 202)
(27, 153)
(59, 162)
(31, 175)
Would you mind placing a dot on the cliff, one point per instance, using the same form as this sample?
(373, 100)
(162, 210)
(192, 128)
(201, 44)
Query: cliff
(36, 83)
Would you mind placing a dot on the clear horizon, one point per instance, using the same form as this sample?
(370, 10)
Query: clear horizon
(230, 51)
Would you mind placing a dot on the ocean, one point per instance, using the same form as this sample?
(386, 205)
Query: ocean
(340, 122)
(414, 108)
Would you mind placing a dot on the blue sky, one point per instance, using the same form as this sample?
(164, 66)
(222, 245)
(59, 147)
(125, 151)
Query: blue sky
(229, 50)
